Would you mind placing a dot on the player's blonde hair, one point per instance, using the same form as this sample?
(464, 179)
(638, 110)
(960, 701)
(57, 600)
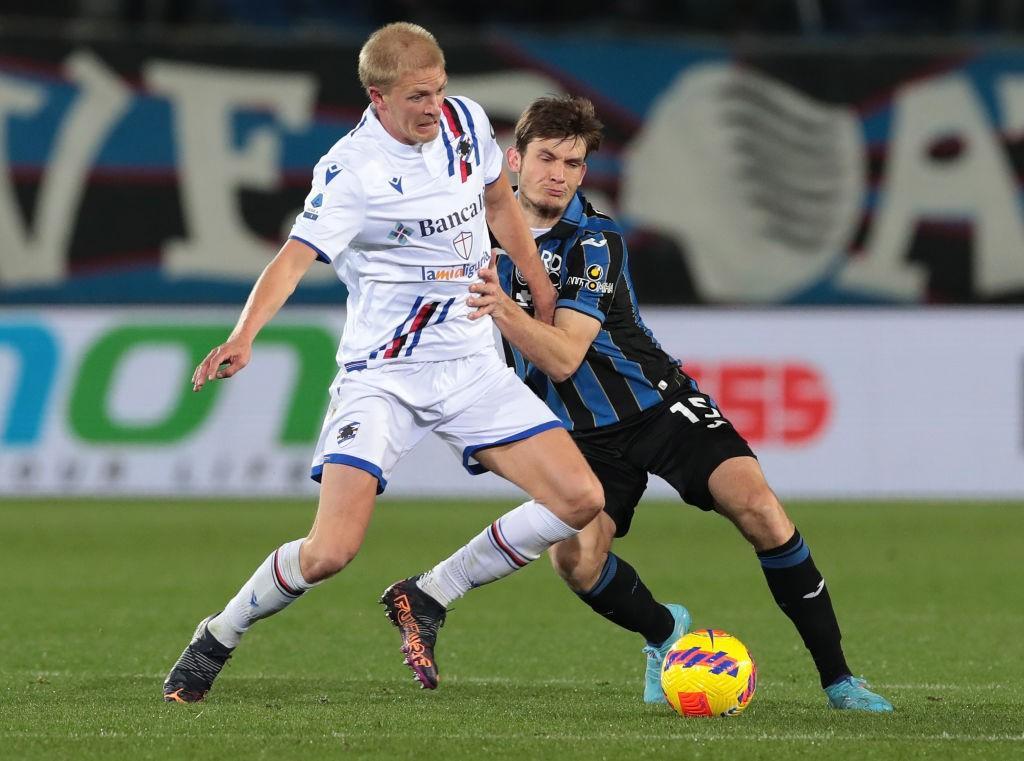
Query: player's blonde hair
(395, 49)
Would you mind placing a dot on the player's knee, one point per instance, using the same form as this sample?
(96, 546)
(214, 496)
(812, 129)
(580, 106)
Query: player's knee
(761, 518)
(583, 499)
(321, 561)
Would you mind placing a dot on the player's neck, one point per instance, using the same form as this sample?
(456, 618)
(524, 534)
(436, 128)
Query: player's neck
(537, 217)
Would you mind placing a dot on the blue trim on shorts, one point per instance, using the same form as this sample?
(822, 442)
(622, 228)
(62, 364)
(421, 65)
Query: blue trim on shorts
(477, 469)
(320, 255)
(346, 459)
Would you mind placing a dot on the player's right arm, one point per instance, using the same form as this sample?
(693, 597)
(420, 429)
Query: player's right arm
(268, 295)
(333, 214)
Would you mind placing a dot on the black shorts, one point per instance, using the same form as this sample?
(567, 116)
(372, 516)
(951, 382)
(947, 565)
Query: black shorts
(682, 440)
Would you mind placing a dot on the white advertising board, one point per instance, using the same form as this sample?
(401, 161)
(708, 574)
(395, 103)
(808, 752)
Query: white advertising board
(836, 402)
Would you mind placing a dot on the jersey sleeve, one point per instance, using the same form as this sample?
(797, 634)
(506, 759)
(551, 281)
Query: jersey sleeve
(333, 212)
(592, 270)
(491, 157)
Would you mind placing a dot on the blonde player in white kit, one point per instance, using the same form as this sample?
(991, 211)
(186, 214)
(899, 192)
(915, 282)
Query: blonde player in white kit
(400, 208)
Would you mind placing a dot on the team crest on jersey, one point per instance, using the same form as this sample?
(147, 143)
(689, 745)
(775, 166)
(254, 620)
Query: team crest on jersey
(347, 432)
(464, 148)
(463, 244)
(400, 233)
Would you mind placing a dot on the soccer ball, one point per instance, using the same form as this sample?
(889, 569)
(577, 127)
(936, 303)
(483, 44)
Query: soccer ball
(708, 673)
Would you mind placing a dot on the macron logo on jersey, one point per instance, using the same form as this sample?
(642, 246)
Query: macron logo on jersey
(332, 171)
(396, 183)
(456, 218)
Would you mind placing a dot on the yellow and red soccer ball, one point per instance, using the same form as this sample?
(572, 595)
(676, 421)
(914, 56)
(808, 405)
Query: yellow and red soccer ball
(708, 673)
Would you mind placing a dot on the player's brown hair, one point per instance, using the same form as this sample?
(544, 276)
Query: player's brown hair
(395, 49)
(565, 116)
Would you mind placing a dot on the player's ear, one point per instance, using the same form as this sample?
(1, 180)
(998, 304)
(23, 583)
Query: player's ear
(376, 96)
(513, 158)
(583, 172)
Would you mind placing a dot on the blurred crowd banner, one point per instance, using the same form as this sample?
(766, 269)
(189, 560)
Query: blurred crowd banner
(843, 402)
(168, 172)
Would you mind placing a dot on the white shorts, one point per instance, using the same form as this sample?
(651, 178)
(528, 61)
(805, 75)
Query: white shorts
(378, 415)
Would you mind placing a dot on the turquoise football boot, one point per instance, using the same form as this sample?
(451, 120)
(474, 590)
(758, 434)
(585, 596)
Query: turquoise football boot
(656, 654)
(852, 694)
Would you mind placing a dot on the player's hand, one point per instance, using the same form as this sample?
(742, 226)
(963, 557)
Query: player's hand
(488, 297)
(544, 302)
(222, 362)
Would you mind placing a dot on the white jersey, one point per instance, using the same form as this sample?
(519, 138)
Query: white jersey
(404, 228)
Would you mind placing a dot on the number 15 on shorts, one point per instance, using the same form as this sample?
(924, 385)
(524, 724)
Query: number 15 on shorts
(697, 409)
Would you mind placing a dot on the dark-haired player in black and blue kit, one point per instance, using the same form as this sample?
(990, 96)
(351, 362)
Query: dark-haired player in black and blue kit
(633, 411)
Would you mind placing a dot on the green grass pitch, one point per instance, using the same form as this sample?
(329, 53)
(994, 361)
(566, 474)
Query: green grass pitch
(99, 598)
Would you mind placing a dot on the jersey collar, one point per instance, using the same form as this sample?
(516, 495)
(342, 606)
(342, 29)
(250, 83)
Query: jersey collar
(432, 153)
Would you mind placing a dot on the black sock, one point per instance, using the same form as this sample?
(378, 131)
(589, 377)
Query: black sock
(622, 597)
(800, 591)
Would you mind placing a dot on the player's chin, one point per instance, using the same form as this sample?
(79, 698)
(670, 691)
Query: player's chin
(427, 132)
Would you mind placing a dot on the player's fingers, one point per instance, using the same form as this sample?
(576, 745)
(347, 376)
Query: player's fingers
(481, 312)
(231, 367)
(217, 356)
(488, 275)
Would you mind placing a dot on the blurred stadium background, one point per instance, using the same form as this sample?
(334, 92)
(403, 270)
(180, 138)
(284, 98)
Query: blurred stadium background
(824, 213)
(822, 199)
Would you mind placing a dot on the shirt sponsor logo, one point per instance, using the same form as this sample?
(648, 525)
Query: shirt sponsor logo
(591, 285)
(453, 219)
(595, 271)
(400, 233)
(458, 272)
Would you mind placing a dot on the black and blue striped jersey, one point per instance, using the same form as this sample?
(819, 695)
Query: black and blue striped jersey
(625, 371)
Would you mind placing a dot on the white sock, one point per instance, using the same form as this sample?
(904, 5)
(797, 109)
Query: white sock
(276, 584)
(515, 539)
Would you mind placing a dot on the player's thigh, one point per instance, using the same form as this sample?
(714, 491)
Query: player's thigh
(684, 442)
(742, 495)
(368, 428)
(506, 429)
(549, 467)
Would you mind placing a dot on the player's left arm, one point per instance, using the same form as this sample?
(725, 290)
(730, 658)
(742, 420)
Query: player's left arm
(506, 221)
(557, 350)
